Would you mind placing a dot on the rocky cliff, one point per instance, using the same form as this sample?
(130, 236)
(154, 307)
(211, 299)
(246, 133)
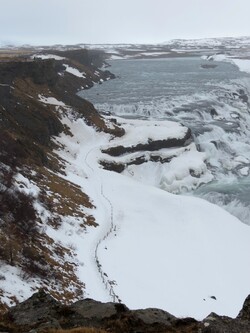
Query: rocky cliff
(42, 313)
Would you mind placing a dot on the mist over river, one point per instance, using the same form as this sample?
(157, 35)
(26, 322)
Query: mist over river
(211, 100)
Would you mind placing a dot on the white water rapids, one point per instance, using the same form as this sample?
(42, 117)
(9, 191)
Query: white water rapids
(213, 102)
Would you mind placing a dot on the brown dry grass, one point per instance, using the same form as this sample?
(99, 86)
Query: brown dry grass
(64, 198)
(61, 281)
(25, 87)
(27, 90)
(15, 55)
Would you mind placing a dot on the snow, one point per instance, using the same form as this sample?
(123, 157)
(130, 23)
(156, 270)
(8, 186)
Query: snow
(50, 100)
(13, 282)
(177, 249)
(140, 131)
(116, 57)
(154, 53)
(6, 85)
(242, 64)
(155, 249)
(244, 171)
(47, 56)
(173, 176)
(74, 71)
(26, 186)
(218, 57)
(212, 43)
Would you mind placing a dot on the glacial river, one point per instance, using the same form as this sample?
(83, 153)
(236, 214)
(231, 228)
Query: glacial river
(213, 102)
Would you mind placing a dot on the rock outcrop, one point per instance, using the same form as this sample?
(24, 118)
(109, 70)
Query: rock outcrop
(41, 312)
(151, 145)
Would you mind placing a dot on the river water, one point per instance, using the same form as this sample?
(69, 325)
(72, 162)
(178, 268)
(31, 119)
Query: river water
(213, 102)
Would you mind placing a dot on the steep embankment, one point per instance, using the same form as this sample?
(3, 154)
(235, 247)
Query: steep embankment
(34, 197)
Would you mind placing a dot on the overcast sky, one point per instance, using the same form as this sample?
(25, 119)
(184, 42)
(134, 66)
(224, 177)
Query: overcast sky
(120, 21)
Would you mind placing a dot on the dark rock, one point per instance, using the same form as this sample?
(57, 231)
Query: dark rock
(151, 316)
(213, 112)
(42, 312)
(221, 324)
(112, 166)
(83, 56)
(241, 95)
(207, 66)
(244, 98)
(90, 313)
(119, 167)
(39, 308)
(91, 309)
(52, 324)
(151, 145)
(215, 143)
(245, 311)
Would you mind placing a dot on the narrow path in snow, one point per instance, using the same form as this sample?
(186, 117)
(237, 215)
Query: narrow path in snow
(109, 284)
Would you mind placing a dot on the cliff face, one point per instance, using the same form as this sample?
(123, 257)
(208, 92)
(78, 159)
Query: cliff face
(85, 57)
(32, 94)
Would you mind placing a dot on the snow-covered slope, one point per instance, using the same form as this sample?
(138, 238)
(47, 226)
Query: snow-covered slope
(152, 248)
(34, 199)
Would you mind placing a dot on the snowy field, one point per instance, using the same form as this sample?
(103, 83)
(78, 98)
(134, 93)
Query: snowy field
(153, 248)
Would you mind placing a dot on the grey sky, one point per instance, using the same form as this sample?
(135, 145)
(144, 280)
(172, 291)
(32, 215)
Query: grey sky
(120, 21)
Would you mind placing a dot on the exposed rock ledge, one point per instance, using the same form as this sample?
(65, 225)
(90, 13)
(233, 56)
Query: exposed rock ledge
(151, 145)
(41, 312)
(149, 151)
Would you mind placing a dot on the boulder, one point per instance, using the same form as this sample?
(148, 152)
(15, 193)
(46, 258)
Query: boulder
(40, 308)
(42, 312)
(89, 312)
(152, 316)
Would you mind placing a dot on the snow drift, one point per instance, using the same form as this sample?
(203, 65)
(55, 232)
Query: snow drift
(153, 248)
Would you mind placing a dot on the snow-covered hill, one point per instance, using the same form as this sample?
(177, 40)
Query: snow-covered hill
(152, 248)
(171, 48)
(178, 48)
